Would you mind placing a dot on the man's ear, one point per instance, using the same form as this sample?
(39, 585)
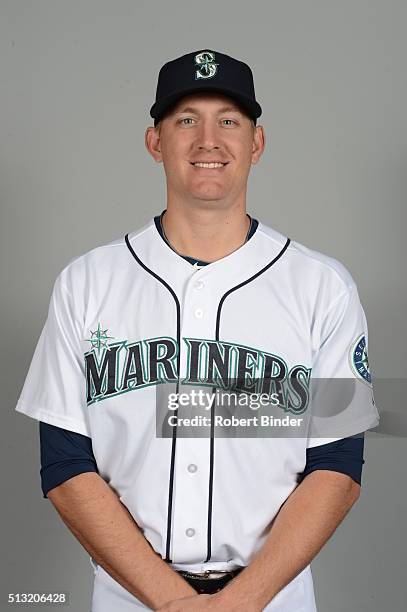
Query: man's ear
(259, 142)
(152, 140)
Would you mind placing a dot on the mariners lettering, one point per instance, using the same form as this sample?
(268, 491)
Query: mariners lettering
(120, 367)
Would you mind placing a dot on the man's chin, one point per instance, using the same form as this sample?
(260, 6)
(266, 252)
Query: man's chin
(209, 195)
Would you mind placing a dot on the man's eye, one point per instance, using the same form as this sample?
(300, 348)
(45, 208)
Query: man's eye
(184, 120)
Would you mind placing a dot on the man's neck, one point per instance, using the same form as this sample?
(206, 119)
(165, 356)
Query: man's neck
(205, 234)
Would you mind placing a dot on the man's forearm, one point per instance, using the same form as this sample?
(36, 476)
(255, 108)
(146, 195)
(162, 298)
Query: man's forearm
(105, 528)
(304, 523)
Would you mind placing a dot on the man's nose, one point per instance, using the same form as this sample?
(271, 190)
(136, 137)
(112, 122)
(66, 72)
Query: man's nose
(208, 136)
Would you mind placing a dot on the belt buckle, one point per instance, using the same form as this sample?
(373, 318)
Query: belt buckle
(213, 574)
(206, 575)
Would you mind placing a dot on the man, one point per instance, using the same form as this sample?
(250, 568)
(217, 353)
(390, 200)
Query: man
(203, 294)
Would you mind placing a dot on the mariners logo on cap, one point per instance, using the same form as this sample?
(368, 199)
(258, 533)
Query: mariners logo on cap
(358, 359)
(207, 67)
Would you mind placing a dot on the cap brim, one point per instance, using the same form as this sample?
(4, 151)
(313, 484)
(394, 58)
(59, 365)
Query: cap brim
(251, 107)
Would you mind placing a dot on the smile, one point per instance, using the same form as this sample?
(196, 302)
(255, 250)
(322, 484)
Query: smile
(209, 165)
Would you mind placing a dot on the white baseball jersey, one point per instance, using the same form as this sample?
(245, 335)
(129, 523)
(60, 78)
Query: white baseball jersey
(131, 318)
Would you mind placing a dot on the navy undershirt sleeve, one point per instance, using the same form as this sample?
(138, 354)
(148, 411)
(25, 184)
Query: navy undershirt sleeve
(345, 455)
(64, 454)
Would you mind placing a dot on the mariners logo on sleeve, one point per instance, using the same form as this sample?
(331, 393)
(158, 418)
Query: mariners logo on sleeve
(358, 359)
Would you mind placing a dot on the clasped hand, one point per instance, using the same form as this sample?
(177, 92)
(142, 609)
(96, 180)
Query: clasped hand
(205, 603)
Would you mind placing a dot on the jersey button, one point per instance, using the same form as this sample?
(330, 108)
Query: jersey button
(199, 313)
(192, 468)
(199, 285)
(190, 532)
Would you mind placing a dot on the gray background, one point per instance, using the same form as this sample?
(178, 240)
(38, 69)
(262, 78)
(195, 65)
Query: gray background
(77, 81)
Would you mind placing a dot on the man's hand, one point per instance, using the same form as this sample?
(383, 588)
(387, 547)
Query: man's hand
(196, 602)
(303, 525)
(208, 603)
(105, 528)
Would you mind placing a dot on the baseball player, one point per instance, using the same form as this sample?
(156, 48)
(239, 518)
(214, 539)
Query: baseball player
(183, 517)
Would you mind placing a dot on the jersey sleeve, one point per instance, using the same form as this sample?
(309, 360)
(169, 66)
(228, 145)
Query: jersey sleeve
(342, 401)
(64, 454)
(54, 390)
(344, 456)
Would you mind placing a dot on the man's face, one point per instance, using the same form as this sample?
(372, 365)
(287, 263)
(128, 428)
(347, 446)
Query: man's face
(206, 127)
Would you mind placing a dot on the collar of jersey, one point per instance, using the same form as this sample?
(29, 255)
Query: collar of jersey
(197, 263)
(249, 259)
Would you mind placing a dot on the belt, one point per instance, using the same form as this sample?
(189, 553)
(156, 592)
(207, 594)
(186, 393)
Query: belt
(210, 581)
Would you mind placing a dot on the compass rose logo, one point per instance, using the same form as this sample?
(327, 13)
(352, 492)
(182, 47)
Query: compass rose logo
(99, 338)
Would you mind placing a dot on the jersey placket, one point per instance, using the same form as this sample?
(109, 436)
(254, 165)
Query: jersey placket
(189, 535)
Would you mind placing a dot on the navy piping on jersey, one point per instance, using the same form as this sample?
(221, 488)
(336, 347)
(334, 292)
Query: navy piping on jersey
(251, 230)
(174, 430)
(212, 439)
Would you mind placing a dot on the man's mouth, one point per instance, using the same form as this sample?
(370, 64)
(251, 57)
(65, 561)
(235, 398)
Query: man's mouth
(214, 164)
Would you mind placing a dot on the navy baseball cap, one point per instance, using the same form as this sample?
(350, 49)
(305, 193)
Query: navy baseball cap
(205, 70)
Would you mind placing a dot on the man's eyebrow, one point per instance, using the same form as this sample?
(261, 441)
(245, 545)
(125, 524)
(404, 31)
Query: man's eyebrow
(224, 109)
